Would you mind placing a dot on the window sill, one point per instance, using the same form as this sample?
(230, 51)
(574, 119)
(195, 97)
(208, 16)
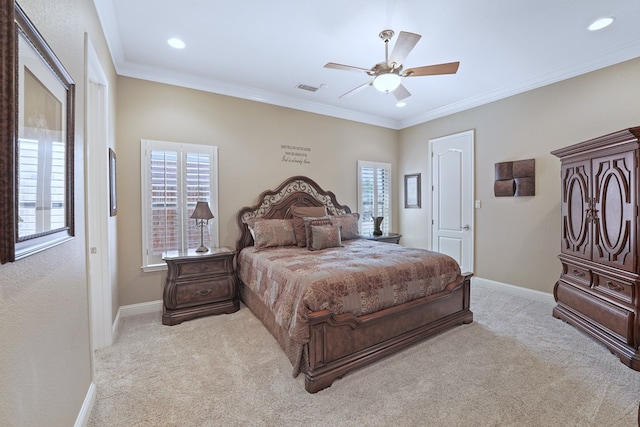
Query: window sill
(154, 267)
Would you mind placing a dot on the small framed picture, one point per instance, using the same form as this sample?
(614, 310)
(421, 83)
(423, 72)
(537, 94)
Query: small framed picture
(113, 194)
(412, 191)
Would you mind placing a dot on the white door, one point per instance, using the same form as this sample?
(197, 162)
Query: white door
(97, 208)
(452, 197)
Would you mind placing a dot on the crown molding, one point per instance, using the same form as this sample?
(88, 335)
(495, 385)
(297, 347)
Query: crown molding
(158, 75)
(595, 62)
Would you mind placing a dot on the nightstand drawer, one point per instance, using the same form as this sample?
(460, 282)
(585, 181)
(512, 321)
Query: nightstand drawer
(204, 291)
(205, 268)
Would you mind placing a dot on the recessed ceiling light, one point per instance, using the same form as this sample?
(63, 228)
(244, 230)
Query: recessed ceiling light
(401, 104)
(600, 24)
(176, 43)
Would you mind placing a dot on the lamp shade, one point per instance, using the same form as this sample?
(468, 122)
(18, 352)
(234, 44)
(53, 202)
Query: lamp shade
(387, 82)
(202, 211)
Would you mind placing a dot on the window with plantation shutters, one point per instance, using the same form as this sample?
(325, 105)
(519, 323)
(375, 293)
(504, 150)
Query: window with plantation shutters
(175, 177)
(374, 195)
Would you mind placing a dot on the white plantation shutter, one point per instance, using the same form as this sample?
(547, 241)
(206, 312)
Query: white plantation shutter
(198, 184)
(175, 177)
(165, 220)
(374, 195)
(42, 186)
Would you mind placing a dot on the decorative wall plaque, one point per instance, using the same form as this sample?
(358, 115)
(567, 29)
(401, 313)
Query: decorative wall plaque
(515, 179)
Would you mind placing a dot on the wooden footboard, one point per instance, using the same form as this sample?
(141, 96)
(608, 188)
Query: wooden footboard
(343, 343)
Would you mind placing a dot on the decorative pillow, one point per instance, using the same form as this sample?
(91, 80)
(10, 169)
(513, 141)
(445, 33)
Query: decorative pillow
(251, 222)
(324, 236)
(311, 221)
(273, 232)
(299, 213)
(348, 225)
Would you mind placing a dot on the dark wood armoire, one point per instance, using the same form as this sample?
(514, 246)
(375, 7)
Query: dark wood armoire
(599, 288)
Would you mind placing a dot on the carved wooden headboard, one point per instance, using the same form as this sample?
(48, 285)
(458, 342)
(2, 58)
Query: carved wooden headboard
(276, 204)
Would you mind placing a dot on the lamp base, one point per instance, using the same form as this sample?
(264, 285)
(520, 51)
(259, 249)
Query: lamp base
(202, 249)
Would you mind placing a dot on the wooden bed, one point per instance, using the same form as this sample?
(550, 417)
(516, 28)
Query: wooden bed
(341, 343)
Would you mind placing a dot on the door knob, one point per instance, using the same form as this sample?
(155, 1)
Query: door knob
(465, 227)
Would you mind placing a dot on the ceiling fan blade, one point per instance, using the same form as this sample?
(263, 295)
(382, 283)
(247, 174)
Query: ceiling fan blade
(335, 66)
(406, 42)
(401, 93)
(356, 90)
(432, 70)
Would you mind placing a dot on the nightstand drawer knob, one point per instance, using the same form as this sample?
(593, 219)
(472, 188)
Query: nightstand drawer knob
(203, 292)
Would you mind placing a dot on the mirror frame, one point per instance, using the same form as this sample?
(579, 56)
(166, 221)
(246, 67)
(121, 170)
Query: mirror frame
(14, 23)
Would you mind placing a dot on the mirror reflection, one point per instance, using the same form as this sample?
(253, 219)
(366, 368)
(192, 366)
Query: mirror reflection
(41, 161)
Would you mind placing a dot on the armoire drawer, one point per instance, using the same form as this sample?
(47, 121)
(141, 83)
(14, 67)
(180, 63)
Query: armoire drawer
(617, 289)
(576, 274)
(610, 316)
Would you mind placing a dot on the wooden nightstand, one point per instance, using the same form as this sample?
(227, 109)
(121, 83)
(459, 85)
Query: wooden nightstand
(387, 237)
(199, 284)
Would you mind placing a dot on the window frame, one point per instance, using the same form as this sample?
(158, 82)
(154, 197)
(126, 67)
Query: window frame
(386, 224)
(182, 149)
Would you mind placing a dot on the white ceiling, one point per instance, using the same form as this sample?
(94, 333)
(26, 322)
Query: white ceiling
(261, 50)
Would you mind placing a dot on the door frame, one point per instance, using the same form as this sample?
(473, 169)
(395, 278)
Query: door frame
(470, 203)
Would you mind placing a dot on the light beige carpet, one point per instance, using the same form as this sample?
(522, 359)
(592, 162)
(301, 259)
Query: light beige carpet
(515, 365)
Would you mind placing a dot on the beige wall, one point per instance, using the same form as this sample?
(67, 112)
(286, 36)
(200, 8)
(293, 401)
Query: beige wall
(45, 362)
(517, 239)
(248, 136)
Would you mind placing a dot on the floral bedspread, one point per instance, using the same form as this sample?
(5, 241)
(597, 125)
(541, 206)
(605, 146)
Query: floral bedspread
(361, 277)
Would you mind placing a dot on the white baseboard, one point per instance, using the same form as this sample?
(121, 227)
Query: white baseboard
(85, 411)
(514, 290)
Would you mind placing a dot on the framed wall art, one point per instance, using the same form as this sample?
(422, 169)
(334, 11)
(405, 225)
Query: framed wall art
(113, 194)
(38, 123)
(412, 191)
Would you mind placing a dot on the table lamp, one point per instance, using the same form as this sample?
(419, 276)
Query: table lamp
(202, 214)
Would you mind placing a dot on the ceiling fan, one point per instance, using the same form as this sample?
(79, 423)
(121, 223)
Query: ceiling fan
(387, 75)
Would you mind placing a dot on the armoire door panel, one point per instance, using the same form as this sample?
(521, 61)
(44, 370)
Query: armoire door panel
(614, 211)
(576, 234)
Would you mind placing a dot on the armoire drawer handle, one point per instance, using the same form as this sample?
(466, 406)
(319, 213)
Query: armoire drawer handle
(578, 273)
(203, 293)
(615, 286)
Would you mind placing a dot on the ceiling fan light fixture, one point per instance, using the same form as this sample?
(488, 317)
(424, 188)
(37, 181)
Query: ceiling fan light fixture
(176, 43)
(601, 23)
(387, 82)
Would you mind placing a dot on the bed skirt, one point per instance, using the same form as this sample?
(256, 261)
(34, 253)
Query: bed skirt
(296, 353)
